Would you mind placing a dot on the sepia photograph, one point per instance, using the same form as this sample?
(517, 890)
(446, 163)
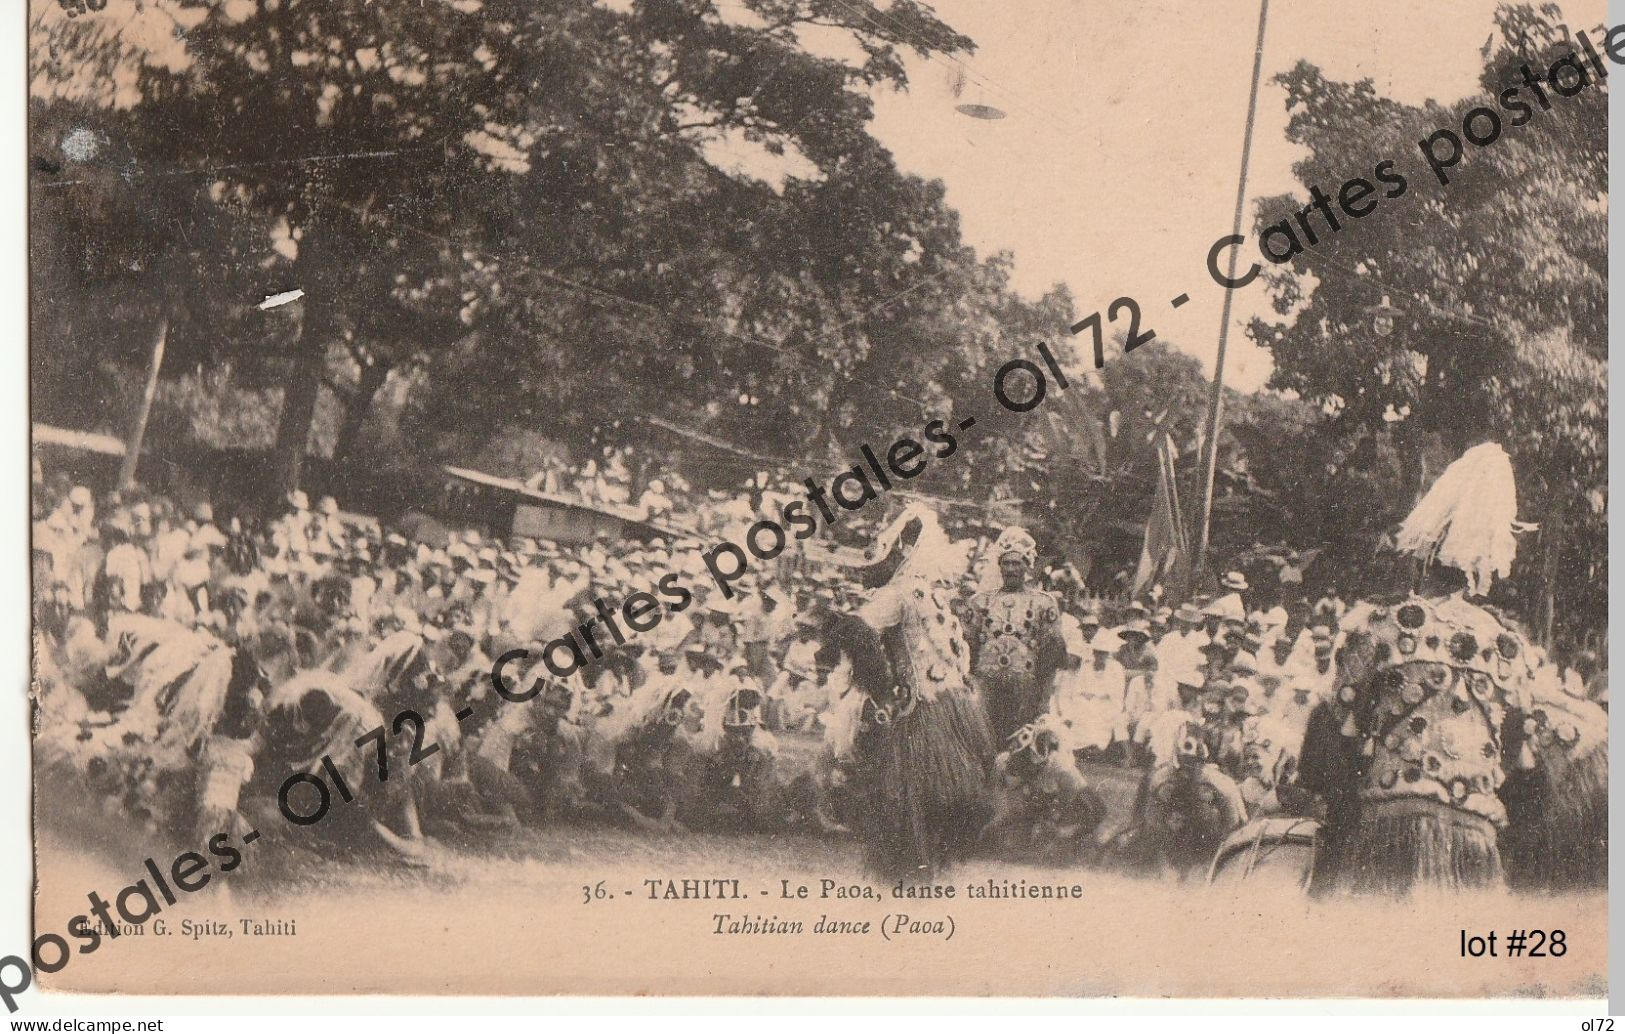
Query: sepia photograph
(1072, 499)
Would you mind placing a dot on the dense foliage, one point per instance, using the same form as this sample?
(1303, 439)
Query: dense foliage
(656, 223)
(1501, 278)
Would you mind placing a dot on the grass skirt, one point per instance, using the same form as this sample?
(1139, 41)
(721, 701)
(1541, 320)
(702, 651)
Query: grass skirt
(1557, 831)
(925, 786)
(1394, 847)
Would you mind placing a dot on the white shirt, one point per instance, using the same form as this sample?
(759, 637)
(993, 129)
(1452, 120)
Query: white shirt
(126, 567)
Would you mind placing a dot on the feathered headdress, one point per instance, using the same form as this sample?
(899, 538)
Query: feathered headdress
(180, 678)
(1469, 518)
(927, 551)
(352, 715)
(372, 672)
(729, 705)
(892, 535)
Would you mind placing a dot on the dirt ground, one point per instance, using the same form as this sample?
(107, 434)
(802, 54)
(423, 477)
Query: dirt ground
(569, 911)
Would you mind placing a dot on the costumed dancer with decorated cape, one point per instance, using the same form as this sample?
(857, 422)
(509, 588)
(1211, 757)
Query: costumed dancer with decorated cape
(923, 751)
(1434, 730)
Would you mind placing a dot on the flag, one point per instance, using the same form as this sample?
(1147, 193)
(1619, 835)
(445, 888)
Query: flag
(1165, 556)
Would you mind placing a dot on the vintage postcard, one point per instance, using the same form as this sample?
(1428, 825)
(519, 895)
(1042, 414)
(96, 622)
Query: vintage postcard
(1077, 498)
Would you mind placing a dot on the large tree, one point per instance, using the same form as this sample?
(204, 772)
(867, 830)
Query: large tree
(1500, 279)
(712, 242)
(553, 168)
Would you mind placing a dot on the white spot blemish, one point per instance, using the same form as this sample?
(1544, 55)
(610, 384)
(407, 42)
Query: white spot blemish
(272, 301)
(81, 145)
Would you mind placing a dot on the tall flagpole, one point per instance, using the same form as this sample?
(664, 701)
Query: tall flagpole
(1215, 402)
(132, 448)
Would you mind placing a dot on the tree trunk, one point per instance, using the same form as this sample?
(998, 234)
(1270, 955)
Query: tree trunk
(373, 376)
(300, 395)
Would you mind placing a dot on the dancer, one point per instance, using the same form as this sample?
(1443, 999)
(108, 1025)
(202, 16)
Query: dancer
(924, 751)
